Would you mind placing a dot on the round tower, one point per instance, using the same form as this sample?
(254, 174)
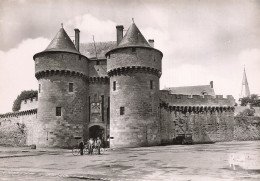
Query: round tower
(134, 68)
(62, 74)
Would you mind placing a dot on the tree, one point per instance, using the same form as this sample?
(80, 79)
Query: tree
(27, 94)
(253, 100)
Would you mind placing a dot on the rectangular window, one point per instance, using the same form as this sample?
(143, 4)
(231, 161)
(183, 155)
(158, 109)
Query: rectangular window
(122, 110)
(70, 87)
(39, 88)
(114, 85)
(151, 84)
(58, 111)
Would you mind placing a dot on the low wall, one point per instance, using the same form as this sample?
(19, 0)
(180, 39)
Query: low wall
(18, 129)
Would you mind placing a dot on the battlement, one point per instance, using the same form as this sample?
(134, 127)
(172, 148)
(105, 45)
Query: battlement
(19, 113)
(28, 104)
(196, 100)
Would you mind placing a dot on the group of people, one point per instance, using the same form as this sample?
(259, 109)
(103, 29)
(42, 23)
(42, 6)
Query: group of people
(91, 144)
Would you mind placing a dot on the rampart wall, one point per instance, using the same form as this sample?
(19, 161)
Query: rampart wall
(19, 128)
(208, 119)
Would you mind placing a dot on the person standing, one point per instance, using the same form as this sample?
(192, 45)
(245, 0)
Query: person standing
(90, 146)
(98, 144)
(81, 147)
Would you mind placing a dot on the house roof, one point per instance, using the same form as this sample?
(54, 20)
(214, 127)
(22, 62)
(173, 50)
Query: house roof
(88, 49)
(133, 37)
(192, 90)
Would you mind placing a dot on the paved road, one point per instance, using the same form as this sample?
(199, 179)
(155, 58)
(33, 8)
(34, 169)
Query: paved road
(219, 161)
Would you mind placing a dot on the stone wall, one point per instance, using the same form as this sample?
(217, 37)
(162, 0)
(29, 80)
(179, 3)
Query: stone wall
(142, 57)
(205, 127)
(18, 129)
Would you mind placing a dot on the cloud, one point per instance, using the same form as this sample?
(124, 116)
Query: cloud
(17, 71)
(103, 30)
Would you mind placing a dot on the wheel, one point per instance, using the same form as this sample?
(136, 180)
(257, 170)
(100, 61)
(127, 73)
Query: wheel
(95, 151)
(85, 151)
(102, 151)
(75, 151)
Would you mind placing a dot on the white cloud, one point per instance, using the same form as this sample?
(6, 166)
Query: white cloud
(17, 71)
(103, 30)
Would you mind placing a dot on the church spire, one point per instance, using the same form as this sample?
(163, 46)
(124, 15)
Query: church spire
(245, 88)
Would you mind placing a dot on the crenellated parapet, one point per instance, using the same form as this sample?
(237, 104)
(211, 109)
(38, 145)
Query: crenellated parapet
(197, 109)
(28, 104)
(134, 69)
(196, 100)
(20, 113)
(196, 103)
(98, 80)
(65, 73)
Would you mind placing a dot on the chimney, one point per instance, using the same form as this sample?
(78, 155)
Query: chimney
(211, 84)
(119, 33)
(77, 38)
(151, 42)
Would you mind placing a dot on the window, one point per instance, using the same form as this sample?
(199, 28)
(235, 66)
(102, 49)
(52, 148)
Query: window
(58, 111)
(133, 49)
(151, 84)
(70, 87)
(122, 110)
(114, 85)
(39, 88)
(97, 62)
(25, 101)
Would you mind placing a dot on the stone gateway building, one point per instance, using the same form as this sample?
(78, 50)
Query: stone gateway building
(112, 90)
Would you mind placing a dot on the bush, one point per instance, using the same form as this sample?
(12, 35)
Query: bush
(24, 95)
(247, 112)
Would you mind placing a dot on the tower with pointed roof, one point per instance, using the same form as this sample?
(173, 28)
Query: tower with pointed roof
(62, 74)
(245, 87)
(134, 68)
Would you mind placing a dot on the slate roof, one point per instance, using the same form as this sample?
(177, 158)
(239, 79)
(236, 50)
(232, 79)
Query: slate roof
(62, 42)
(133, 37)
(88, 49)
(192, 90)
(98, 71)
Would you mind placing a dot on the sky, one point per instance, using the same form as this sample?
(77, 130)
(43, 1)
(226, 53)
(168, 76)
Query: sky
(202, 40)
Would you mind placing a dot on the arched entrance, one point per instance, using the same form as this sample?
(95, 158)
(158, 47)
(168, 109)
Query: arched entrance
(96, 131)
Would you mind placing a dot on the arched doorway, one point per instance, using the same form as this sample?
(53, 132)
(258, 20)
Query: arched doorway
(96, 131)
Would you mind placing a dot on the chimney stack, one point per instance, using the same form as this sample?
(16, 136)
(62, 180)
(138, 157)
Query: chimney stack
(77, 38)
(151, 42)
(119, 33)
(211, 84)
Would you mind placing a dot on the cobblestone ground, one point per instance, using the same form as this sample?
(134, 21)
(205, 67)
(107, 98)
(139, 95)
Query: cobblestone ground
(219, 161)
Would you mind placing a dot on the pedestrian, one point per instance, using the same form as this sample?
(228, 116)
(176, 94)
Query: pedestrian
(90, 144)
(98, 144)
(81, 147)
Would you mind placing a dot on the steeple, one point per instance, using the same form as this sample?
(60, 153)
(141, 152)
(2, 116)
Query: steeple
(245, 88)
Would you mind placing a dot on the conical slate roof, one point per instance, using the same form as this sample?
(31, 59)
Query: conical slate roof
(62, 42)
(133, 37)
